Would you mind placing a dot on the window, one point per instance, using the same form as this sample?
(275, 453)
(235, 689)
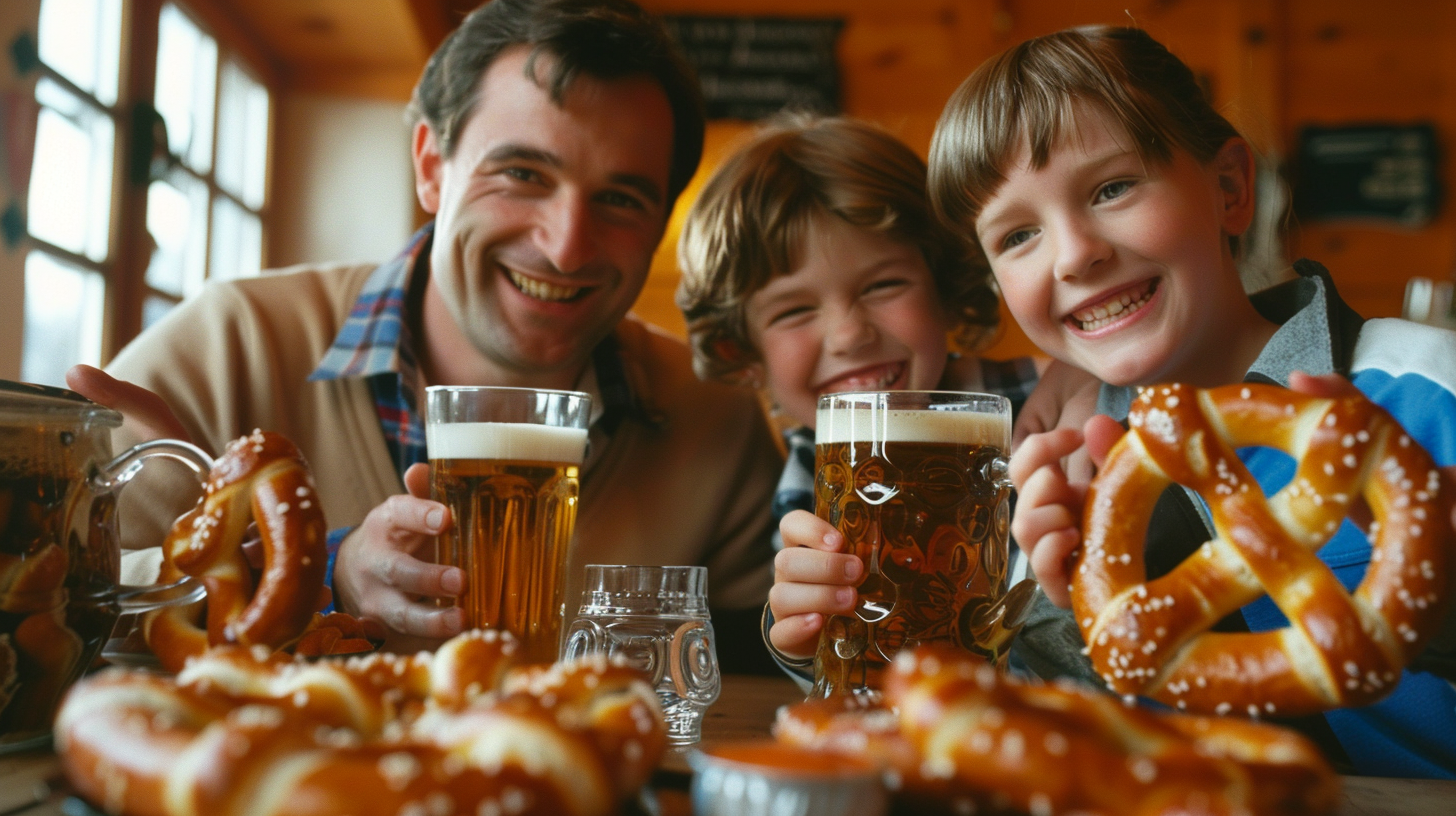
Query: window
(205, 194)
(71, 185)
(210, 201)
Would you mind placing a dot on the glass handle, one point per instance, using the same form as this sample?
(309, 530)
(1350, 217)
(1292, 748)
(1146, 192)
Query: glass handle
(112, 477)
(997, 471)
(185, 590)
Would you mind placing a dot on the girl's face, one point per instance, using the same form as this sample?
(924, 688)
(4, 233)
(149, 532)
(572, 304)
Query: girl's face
(1121, 267)
(858, 313)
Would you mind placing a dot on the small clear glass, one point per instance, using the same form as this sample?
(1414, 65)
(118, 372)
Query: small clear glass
(656, 619)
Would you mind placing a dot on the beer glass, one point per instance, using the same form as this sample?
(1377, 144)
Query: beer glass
(916, 481)
(507, 462)
(655, 618)
(60, 557)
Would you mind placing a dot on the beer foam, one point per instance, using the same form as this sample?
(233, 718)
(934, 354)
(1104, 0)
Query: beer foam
(900, 425)
(505, 440)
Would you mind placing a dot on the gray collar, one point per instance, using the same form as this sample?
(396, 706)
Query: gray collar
(1317, 333)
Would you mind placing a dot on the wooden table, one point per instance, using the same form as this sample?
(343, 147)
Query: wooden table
(31, 783)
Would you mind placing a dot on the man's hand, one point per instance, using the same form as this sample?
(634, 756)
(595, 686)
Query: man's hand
(377, 574)
(1048, 520)
(146, 415)
(812, 580)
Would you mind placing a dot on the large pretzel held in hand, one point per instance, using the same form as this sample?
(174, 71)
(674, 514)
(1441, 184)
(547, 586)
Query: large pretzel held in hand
(456, 732)
(1149, 637)
(260, 477)
(963, 738)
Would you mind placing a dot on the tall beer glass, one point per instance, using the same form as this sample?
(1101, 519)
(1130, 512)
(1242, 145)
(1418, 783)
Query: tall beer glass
(916, 482)
(507, 461)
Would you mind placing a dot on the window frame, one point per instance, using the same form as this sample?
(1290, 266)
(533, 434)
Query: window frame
(123, 271)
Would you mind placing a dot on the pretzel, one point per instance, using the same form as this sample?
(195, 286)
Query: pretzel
(41, 654)
(260, 477)
(242, 730)
(338, 633)
(34, 582)
(1148, 637)
(9, 671)
(962, 737)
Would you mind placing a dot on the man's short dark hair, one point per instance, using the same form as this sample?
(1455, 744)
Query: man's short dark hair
(606, 39)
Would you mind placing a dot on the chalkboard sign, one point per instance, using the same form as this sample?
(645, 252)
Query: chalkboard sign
(1380, 172)
(751, 67)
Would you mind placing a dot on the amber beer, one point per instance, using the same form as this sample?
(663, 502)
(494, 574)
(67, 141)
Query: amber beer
(512, 488)
(913, 481)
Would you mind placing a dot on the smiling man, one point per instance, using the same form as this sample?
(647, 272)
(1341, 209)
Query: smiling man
(551, 140)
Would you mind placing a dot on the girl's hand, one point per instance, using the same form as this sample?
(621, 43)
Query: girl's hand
(1048, 520)
(813, 579)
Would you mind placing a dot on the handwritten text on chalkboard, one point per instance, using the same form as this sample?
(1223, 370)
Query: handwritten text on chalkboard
(751, 67)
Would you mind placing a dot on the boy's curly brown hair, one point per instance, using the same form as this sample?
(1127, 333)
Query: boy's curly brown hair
(749, 223)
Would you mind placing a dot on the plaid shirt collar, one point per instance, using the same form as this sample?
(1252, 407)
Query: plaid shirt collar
(375, 338)
(375, 342)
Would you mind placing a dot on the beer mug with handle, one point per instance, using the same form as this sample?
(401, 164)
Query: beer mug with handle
(60, 557)
(656, 619)
(507, 463)
(917, 483)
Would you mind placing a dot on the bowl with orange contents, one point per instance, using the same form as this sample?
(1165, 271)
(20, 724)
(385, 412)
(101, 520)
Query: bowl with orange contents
(753, 777)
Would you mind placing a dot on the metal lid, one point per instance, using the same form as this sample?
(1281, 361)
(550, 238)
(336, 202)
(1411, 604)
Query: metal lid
(30, 403)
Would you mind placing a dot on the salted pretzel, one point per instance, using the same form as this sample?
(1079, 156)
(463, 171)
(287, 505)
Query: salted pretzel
(260, 477)
(338, 633)
(1150, 637)
(34, 582)
(460, 731)
(961, 737)
(41, 654)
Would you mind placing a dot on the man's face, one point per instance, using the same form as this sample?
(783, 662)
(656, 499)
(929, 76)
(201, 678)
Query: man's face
(546, 216)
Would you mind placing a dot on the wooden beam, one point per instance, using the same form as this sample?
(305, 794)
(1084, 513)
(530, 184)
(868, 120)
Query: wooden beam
(434, 19)
(223, 21)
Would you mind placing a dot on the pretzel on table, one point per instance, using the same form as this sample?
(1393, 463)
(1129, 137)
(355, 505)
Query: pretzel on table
(259, 478)
(961, 737)
(460, 731)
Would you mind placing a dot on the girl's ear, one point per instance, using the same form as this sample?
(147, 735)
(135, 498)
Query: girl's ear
(1234, 166)
(751, 375)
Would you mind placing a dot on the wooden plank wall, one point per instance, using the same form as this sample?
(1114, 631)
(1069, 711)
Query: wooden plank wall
(1272, 66)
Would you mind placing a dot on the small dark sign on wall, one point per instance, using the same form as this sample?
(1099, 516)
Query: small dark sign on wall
(751, 67)
(1383, 172)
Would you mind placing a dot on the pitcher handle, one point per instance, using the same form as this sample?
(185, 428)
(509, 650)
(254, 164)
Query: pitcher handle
(112, 477)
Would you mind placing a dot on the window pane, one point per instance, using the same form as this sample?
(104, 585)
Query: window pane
(63, 318)
(70, 182)
(242, 135)
(237, 240)
(186, 87)
(177, 221)
(81, 40)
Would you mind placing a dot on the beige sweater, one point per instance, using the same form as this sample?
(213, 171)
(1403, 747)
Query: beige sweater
(695, 488)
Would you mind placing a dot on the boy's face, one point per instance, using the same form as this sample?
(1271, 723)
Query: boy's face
(858, 313)
(1114, 265)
